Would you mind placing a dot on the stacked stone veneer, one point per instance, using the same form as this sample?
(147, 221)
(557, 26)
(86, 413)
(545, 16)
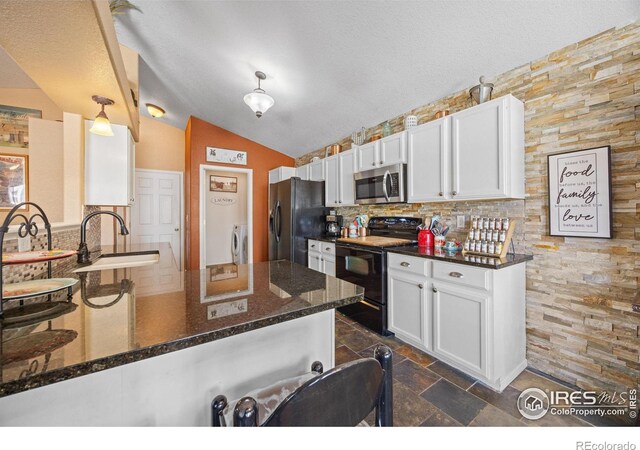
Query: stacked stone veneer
(580, 323)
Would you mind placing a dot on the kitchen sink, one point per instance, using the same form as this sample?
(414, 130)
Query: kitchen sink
(122, 261)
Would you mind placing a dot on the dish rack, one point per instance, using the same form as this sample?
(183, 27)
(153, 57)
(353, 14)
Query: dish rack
(506, 243)
(28, 227)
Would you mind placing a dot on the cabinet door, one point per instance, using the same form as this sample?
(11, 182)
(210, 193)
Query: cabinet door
(409, 309)
(329, 265)
(315, 261)
(302, 172)
(331, 182)
(131, 190)
(393, 149)
(316, 171)
(460, 326)
(347, 189)
(428, 150)
(367, 155)
(477, 156)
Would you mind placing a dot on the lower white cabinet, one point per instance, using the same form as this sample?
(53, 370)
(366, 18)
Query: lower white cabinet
(321, 257)
(410, 308)
(460, 326)
(469, 317)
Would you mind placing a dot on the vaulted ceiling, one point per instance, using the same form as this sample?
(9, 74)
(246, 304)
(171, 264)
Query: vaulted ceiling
(335, 66)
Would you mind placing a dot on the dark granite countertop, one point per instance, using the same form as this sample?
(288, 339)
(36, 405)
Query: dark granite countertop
(121, 316)
(459, 258)
(323, 239)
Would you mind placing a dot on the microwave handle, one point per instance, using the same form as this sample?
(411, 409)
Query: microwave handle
(384, 185)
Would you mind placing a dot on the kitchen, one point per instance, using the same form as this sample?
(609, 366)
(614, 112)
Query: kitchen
(552, 308)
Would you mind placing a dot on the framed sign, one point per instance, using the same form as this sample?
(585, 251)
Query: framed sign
(223, 155)
(580, 193)
(14, 180)
(14, 125)
(223, 184)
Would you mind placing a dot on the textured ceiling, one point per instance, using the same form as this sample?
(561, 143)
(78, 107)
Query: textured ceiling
(11, 75)
(334, 66)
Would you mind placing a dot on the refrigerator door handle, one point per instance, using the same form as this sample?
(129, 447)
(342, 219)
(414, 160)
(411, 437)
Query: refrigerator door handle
(235, 243)
(277, 222)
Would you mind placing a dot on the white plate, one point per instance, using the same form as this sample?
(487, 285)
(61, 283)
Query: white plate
(34, 288)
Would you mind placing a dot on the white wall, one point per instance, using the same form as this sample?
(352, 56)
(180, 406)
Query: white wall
(221, 217)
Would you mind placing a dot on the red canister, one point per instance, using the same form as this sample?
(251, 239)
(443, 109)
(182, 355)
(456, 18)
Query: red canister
(425, 239)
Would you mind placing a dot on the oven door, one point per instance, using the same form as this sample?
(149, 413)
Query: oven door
(364, 267)
(384, 185)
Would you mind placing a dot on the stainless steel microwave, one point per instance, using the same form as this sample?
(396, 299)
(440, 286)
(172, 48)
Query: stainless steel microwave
(382, 185)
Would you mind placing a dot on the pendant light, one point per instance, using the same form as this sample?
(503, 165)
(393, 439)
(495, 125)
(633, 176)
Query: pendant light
(101, 125)
(258, 100)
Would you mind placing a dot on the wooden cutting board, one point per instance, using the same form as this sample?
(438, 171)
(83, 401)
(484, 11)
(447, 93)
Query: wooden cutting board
(375, 241)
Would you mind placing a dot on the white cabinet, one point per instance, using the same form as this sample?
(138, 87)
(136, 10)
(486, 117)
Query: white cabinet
(109, 176)
(469, 317)
(321, 257)
(383, 152)
(302, 172)
(280, 174)
(339, 185)
(460, 326)
(475, 154)
(317, 170)
(428, 161)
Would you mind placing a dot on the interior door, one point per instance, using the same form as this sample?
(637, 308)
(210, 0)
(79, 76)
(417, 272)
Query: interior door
(155, 216)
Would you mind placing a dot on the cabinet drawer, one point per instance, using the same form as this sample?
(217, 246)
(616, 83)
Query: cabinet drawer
(328, 248)
(461, 274)
(409, 264)
(314, 246)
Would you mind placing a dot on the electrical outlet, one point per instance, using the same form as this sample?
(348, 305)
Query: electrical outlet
(460, 221)
(24, 244)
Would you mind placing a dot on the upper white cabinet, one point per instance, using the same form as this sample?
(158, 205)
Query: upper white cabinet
(475, 154)
(109, 167)
(383, 152)
(280, 174)
(302, 172)
(428, 161)
(317, 170)
(339, 185)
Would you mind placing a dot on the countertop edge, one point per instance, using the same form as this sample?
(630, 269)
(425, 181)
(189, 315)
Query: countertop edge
(110, 362)
(521, 258)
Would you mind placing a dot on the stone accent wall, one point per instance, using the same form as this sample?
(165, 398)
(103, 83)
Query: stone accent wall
(580, 323)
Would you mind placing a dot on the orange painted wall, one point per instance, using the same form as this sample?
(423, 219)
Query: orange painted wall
(199, 135)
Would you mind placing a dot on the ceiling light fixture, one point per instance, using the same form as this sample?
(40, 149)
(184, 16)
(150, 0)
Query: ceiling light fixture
(155, 110)
(258, 101)
(101, 124)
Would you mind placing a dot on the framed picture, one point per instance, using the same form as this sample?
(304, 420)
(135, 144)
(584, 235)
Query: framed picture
(14, 125)
(223, 155)
(223, 184)
(221, 272)
(580, 193)
(14, 180)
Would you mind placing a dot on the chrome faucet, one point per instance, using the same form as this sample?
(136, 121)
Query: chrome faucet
(83, 251)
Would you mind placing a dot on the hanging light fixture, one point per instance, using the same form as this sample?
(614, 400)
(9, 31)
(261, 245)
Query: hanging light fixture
(155, 111)
(101, 124)
(258, 100)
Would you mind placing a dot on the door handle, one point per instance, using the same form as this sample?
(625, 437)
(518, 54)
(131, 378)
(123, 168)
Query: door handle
(176, 229)
(456, 275)
(454, 193)
(434, 289)
(384, 184)
(421, 285)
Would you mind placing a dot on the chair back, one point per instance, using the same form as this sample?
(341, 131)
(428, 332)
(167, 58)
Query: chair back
(343, 396)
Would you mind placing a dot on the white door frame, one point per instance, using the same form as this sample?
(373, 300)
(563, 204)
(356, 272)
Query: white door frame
(181, 198)
(203, 221)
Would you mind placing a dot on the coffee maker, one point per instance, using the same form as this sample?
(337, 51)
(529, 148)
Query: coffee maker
(333, 224)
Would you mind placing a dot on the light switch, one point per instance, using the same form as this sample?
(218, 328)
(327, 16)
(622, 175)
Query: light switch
(460, 221)
(24, 244)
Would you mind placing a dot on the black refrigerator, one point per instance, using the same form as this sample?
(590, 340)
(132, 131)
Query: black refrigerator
(296, 212)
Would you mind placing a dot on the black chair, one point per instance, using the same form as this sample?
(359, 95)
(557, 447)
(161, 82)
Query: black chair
(343, 396)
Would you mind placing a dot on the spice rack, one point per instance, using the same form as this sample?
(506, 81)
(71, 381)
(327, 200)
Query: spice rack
(504, 236)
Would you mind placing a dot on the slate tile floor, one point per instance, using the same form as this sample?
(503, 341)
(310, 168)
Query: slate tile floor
(428, 392)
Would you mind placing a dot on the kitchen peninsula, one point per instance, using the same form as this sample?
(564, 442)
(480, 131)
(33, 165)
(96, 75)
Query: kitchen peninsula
(152, 346)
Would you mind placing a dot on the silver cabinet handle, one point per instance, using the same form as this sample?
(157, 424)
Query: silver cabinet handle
(339, 201)
(381, 162)
(454, 193)
(176, 229)
(327, 248)
(373, 163)
(313, 246)
(421, 285)
(456, 275)
(434, 289)
(405, 264)
(440, 194)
